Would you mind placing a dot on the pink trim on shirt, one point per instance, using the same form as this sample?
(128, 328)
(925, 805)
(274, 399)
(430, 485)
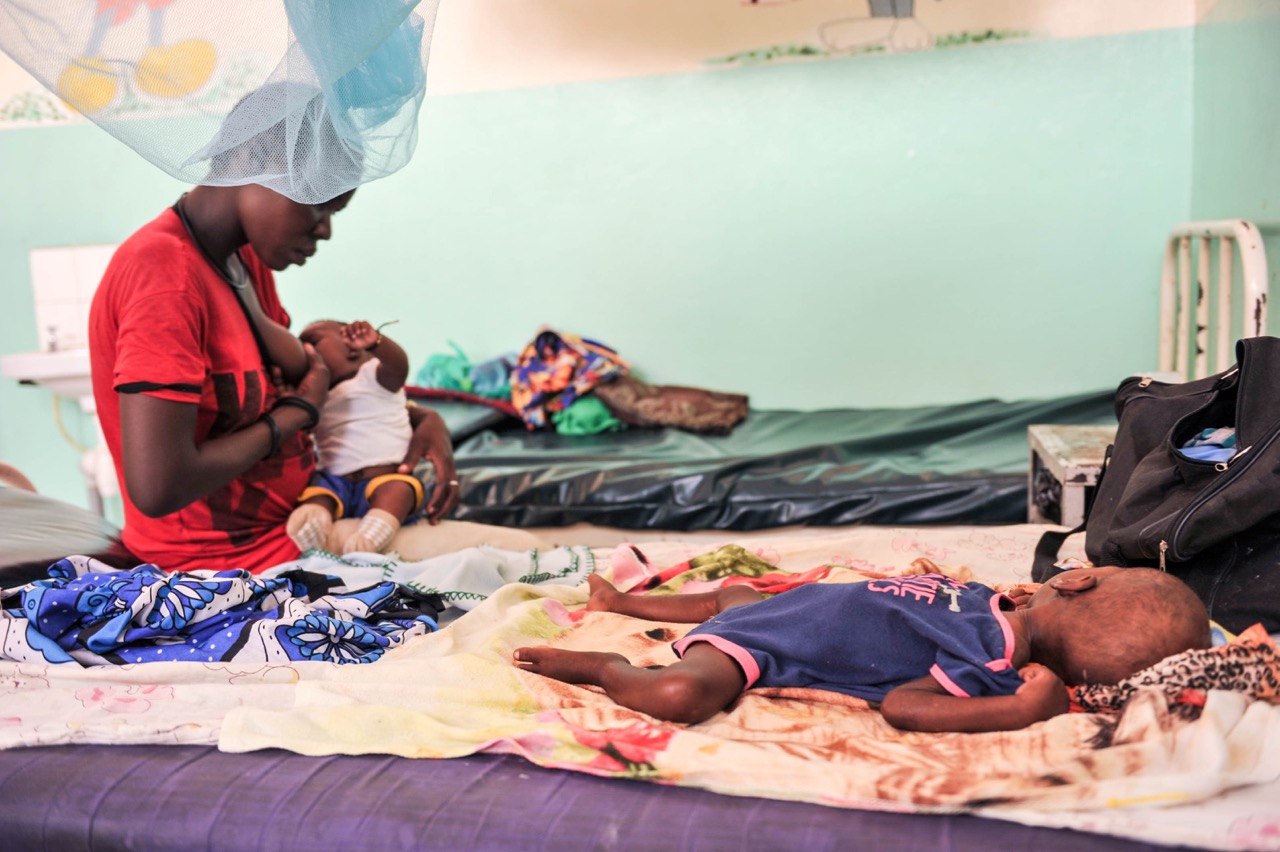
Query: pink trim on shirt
(1006, 662)
(739, 654)
(997, 665)
(947, 683)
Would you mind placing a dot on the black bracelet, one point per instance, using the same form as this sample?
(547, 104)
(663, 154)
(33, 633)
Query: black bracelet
(313, 414)
(275, 434)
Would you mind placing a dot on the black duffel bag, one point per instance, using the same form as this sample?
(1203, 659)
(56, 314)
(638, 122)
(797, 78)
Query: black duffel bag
(1215, 525)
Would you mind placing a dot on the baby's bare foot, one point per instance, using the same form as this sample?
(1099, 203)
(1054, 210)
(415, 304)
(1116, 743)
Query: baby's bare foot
(567, 666)
(603, 594)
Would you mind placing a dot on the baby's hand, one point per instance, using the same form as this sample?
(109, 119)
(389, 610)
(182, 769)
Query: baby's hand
(359, 334)
(1043, 692)
(1019, 593)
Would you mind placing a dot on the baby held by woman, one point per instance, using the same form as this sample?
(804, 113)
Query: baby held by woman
(361, 440)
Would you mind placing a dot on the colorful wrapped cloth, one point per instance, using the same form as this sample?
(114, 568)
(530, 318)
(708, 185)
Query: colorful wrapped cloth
(555, 370)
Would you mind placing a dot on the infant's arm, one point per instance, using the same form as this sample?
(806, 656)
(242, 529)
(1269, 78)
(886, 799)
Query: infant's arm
(393, 363)
(923, 705)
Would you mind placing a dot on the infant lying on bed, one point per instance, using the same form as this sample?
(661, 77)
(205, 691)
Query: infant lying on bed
(936, 653)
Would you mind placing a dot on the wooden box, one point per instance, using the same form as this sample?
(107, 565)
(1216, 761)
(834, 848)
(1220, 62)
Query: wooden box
(1065, 463)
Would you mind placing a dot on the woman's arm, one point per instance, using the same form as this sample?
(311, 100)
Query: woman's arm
(923, 705)
(166, 470)
(431, 441)
(284, 350)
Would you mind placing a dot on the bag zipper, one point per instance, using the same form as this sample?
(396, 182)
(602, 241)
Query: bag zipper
(1217, 581)
(1212, 492)
(1221, 467)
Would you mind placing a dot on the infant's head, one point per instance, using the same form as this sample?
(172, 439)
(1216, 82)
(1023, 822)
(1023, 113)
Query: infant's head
(1115, 622)
(342, 359)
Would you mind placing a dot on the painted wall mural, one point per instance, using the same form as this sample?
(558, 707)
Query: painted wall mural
(488, 45)
(496, 44)
(131, 58)
(334, 86)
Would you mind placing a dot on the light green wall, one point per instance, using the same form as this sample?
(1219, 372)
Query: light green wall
(1236, 143)
(887, 230)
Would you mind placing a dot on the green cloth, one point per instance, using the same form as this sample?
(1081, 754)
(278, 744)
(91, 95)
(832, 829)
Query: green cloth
(586, 416)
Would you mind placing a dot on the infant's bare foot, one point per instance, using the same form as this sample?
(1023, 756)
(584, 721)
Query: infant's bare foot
(567, 666)
(603, 594)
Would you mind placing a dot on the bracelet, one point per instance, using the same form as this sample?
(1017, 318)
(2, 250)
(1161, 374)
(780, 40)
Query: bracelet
(374, 345)
(275, 434)
(313, 414)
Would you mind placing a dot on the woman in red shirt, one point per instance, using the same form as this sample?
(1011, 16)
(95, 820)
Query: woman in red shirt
(208, 433)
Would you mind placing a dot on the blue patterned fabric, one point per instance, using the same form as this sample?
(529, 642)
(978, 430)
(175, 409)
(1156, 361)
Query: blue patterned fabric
(91, 614)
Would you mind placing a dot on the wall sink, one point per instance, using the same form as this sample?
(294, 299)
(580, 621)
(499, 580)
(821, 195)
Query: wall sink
(65, 373)
(62, 372)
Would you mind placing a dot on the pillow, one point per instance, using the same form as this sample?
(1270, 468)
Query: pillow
(35, 528)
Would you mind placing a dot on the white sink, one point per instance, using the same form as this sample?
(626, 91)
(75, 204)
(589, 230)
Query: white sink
(64, 372)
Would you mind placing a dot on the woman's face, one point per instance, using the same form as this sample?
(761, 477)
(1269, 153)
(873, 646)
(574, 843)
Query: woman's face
(282, 231)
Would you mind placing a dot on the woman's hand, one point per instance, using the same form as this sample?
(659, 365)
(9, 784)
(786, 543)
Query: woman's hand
(431, 441)
(314, 386)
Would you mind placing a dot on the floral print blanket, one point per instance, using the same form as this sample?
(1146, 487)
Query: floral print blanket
(92, 614)
(457, 693)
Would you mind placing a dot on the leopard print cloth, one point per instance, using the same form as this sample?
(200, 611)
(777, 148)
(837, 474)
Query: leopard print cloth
(1248, 664)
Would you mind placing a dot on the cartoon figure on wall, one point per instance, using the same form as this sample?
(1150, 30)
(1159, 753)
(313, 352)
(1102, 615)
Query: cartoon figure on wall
(891, 26)
(92, 81)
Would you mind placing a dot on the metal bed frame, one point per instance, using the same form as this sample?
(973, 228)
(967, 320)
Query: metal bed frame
(1226, 238)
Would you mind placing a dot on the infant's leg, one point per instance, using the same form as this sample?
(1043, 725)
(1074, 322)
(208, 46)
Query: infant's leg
(310, 523)
(683, 609)
(691, 690)
(395, 497)
(389, 504)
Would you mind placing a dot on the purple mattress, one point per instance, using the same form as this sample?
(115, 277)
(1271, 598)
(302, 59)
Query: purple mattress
(195, 797)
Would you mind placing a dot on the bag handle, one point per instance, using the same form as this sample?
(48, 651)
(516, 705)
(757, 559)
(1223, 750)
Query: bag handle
(1044, 563)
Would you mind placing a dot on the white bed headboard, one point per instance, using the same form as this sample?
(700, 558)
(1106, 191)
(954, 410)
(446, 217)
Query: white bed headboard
(1177, 301)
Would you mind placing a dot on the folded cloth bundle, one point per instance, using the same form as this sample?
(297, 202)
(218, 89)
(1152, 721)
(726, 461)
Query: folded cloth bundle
(692, 409)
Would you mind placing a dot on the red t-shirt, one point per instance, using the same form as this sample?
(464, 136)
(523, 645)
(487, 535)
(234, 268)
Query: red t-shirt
(164, 323)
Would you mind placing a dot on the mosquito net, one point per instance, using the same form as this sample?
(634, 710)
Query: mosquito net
(308, 97)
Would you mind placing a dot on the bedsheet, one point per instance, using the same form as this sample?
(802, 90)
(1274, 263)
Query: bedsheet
(455, 693)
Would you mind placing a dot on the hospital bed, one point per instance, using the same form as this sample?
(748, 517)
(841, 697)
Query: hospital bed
(95, 786)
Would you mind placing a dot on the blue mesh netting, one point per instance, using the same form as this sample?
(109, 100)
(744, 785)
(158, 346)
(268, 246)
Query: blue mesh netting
(208, 90)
